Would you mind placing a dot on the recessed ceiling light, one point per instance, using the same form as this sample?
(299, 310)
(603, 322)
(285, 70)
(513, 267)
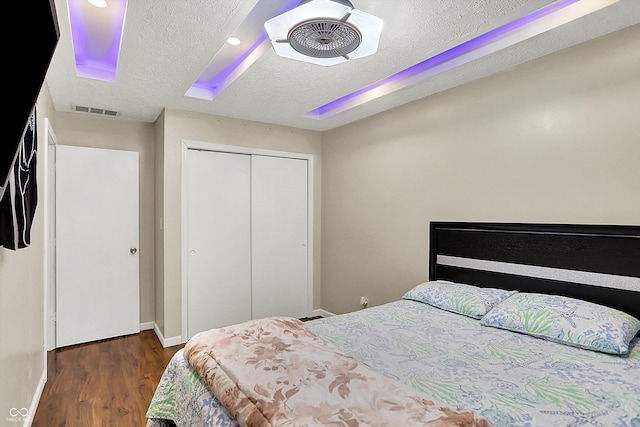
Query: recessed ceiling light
(98, 3)
(233, 41)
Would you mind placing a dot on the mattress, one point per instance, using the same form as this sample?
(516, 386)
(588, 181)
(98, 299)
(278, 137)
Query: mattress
(511, 379)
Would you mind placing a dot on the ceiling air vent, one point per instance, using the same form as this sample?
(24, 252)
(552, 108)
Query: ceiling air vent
(93, 110)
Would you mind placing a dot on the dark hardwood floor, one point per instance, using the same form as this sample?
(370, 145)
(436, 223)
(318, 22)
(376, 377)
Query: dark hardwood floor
(106, 383)
(103, 383)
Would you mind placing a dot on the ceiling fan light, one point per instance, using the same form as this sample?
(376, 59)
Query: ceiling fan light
(285, 50)
(324, 32)
(370, 27)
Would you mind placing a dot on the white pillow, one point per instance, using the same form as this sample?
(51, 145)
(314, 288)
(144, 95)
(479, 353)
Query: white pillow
(460, 298)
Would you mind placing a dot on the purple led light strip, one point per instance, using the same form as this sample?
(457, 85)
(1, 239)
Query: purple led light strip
(220, 79)
(456, 51)
(91, 57)
(217, 80)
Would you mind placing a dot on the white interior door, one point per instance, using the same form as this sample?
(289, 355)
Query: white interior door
(279, 236)
(218, 239)
(97, 263)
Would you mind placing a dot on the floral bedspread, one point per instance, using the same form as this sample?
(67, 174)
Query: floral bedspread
(276, 372)
(511, 379)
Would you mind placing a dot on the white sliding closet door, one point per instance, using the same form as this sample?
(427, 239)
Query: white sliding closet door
(279, 236)
(218, 239)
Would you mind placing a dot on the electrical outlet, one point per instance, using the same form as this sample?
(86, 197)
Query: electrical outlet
(364, 302)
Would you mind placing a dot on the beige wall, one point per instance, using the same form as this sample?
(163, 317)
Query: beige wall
(22, 299)
(107, 132)
(182, 125)
(555, 140)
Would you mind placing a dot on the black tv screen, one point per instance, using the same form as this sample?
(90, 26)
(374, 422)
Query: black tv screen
(31, 45)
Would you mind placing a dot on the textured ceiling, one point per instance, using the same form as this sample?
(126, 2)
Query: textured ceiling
(168, 43)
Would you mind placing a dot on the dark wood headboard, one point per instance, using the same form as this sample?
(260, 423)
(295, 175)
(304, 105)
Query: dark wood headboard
(597, 263)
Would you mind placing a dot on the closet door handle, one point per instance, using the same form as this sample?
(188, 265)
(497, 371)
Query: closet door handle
(133, 250)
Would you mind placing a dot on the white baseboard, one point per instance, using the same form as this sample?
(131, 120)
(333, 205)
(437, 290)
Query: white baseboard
(323, 313)
(145, 326)
(36, 399)
(166, 342)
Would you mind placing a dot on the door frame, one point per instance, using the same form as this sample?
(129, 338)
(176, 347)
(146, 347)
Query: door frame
(49, 211)
(224, 148)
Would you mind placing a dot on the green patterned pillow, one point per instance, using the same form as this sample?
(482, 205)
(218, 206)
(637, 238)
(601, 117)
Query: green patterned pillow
(459, 298)
(565, 320)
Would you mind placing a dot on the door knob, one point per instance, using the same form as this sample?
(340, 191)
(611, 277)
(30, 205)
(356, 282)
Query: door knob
(133, 250)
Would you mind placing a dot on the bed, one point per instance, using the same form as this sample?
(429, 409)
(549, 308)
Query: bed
(492, 332)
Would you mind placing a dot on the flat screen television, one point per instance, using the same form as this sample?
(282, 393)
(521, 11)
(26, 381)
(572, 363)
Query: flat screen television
(30, 47)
